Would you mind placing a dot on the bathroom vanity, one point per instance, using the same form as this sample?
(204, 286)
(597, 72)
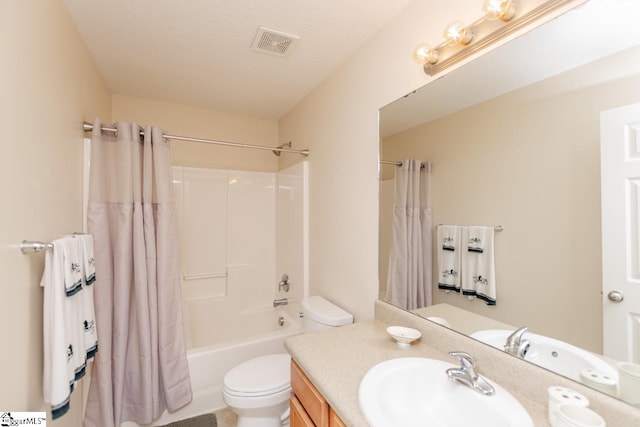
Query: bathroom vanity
(332, 363)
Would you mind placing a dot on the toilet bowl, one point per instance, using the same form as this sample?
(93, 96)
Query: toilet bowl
(258, 390)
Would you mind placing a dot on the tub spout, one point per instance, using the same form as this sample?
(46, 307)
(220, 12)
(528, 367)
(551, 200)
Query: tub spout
(280, 301)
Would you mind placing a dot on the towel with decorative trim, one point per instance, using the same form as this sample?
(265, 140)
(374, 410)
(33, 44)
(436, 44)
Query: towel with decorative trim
(73, 276)
(89, 274)
(63, 331)
(67, 343)
(449, 250)
(89, 261)
(478, 264)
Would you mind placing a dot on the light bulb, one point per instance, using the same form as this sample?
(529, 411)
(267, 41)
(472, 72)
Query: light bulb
(425, 54)
(456, 33)
(499, 9)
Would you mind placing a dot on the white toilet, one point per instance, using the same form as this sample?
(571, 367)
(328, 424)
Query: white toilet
(258, 390)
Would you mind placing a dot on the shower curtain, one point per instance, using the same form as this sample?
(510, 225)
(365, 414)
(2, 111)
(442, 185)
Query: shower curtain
(141, 367)
(409, 276)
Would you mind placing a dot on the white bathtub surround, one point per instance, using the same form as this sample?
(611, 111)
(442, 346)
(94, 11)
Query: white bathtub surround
(410, 260)
(292, 229)
(141, 368)
(239, 232)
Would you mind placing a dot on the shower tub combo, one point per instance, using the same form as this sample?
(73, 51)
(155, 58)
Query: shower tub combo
(231, 261)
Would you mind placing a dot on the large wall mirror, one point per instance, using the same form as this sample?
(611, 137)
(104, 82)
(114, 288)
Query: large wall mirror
(514, 140)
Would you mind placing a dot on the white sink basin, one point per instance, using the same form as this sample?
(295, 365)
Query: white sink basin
(415, 392)
(557, 356)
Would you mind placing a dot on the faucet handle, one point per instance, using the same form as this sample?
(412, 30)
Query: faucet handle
(516, 336)
(284, 283)
(465, 358)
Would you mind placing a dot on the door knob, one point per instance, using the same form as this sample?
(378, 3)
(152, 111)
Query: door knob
(615, 296)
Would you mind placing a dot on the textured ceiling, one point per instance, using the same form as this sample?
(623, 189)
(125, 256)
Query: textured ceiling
(198, 52)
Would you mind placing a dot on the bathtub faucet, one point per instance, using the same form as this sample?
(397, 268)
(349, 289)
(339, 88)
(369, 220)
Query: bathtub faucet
(280, 301)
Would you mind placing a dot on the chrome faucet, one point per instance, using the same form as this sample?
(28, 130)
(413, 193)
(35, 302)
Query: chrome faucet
(516, 345)
(284, 283)
(467, 375)
(280, 301)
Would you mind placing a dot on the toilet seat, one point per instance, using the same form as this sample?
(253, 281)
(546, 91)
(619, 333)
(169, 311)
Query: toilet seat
(262, 376)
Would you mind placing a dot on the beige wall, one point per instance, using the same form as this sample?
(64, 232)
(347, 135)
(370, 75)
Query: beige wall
(184, 120)
(529, 161)
(48, 86)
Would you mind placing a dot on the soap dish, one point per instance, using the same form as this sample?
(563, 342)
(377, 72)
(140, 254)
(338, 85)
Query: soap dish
(403, 336)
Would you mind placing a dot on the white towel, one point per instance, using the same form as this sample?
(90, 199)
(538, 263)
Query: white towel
(449, 250)
(68, 323)
(478, 264)
(58, 378)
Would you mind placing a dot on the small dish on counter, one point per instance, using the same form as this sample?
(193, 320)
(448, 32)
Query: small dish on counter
(403, 336)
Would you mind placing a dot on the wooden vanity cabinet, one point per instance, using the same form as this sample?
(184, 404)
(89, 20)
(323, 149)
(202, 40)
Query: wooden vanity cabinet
(308, 407)
(334, 419)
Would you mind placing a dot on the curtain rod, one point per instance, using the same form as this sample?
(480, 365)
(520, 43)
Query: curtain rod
(276, 150)
(423, 165)
(391, 162)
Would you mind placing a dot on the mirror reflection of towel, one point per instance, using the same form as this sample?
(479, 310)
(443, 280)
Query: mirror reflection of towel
(478, 264)
(449, 249)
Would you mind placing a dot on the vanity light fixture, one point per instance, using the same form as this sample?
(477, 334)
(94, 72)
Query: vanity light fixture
(457, 33)
(499, 9)
(498, 21)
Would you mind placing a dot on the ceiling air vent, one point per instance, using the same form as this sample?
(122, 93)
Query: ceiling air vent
(274, 42)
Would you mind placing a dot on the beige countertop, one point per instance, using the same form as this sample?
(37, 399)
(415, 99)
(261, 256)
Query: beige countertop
(336, 360)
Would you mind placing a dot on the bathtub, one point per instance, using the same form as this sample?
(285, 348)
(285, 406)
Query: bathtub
(247, 335)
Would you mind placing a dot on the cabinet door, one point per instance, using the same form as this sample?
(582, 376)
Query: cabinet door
(309, 397)
(298, 417)
(334, 419)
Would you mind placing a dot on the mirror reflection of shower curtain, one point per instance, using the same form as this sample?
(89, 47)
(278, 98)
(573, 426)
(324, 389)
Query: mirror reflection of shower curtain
(410, 259)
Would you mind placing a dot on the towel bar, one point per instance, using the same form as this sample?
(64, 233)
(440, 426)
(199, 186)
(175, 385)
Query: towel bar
(29, 246)
(33, 246)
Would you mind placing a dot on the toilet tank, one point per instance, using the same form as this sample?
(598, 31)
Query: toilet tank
(320, 314)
